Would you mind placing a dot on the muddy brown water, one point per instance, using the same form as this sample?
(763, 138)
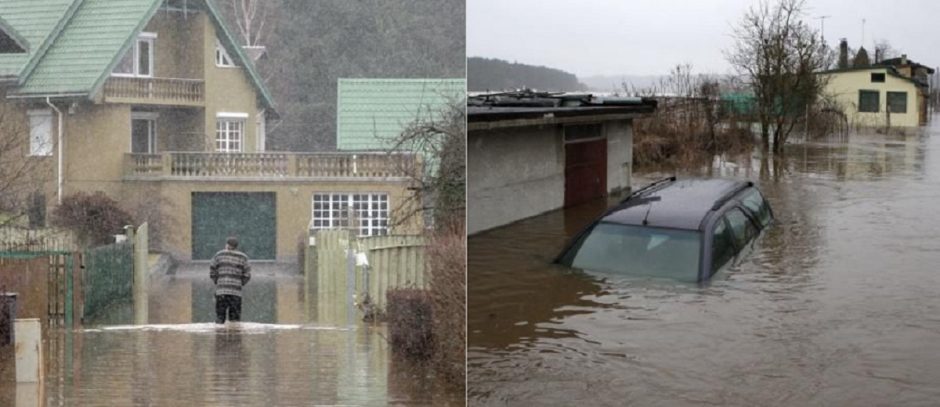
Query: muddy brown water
(285, 354)
(838, 304)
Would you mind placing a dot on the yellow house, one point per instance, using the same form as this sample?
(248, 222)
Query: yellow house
(154, 101)
(879, 95)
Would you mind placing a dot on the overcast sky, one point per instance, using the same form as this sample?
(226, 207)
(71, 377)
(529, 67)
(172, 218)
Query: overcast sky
(607, 37)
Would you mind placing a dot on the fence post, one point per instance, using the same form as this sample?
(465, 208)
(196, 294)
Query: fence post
(141, 253)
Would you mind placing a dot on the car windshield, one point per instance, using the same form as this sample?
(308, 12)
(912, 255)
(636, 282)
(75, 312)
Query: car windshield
(636, 250)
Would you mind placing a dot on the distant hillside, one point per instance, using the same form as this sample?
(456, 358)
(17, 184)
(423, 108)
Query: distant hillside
(615, 83)
(494, 74)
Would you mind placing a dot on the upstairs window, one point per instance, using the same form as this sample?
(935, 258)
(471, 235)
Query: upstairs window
(138, 61)
(40, 132)
(868, 101)
(221, 56)
(229, 132)
(897, 102)
(877, 77)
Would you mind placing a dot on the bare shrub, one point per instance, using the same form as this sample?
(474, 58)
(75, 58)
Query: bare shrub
(94, 218)
(447, 261)
(409, 322)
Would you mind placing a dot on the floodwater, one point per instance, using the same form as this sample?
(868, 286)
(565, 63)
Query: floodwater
(838, 304)
(288, 352)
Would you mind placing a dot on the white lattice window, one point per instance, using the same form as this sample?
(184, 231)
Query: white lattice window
(138, 60)
(229, 133)
(334, 211)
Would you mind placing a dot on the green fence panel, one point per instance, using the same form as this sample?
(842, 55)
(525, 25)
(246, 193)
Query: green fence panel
(109, 276)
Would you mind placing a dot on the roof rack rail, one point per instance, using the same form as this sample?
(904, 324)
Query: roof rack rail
(726, 197)
(649, 186)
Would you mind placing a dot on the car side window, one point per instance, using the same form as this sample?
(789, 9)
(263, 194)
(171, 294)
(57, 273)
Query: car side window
(757, 205)
(722, 245)
(741, 227)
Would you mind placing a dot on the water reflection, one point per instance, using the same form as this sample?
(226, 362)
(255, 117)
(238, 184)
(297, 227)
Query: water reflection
(283, 354)
(834, 306)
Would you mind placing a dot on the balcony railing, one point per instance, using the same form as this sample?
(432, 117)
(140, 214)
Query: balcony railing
(214, 166)
(169, 91)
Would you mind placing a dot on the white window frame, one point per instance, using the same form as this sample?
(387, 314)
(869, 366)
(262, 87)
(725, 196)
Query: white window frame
(40, 133)
(227, 125)
(150, 39)
(222, 58)
(152, 137)
(329, 210)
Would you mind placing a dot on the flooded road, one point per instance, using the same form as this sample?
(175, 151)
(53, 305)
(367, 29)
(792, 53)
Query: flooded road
(837, 305)
(289, 353)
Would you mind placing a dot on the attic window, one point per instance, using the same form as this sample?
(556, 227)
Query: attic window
(877, 77)
(221, 56)
(138, 61)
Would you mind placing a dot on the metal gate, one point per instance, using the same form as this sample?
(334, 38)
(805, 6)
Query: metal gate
(250, 216)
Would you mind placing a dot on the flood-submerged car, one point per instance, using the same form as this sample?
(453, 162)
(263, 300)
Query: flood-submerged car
(679, 229)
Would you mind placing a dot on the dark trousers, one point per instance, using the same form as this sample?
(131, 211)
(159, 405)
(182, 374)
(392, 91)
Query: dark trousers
(230, 304)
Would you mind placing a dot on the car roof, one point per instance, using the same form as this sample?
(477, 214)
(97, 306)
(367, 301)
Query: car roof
(677, 204)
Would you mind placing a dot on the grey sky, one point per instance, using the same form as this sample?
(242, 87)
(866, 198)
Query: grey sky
(606, 37)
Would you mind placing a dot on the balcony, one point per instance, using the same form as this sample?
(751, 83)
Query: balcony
(158, 91)
(198, 166)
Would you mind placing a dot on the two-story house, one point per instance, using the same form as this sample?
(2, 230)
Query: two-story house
(156, 98)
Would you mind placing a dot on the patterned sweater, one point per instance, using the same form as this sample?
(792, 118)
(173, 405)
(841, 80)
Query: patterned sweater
(229, 271)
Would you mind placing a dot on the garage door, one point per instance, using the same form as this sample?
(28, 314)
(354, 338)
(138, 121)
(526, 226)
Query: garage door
(585, 171)
(250, 216)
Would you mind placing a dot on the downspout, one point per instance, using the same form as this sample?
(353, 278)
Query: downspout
(60, 179)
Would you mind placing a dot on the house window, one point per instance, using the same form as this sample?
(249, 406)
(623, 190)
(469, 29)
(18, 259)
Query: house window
(143, 133)
(221, 56)
(138, 61)
(40, 132)
(333, 210)
(897, 102)
(878, 77)
(229, 133)
(868, 101)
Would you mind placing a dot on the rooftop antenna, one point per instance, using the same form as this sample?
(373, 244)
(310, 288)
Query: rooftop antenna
(863, 33)
(822, 25)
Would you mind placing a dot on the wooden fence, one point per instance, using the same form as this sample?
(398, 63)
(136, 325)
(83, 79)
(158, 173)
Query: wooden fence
(343, 279)
(14, 239)
(44, 283)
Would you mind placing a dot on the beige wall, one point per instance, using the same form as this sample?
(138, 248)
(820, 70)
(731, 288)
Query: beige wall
(177, 49)
(293, 200)
(845, 86)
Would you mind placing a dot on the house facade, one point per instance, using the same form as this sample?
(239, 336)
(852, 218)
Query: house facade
(154, 100)
(528, 155)
(889, 93)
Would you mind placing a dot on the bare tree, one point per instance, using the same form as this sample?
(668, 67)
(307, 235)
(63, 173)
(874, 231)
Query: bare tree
(439, 184)
(883, 51)
(251, 16)
(778, 55)
(22, 175)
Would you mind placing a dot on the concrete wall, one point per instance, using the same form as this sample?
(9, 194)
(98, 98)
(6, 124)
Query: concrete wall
(512, 174)
(177, 49)
(845, 86)
(619, 154)
(293, 200)
(518, 172)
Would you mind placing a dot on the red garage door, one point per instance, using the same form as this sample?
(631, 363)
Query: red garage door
(585, 171)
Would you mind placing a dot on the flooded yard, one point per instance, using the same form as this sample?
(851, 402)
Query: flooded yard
(836, 305)
(286, 352)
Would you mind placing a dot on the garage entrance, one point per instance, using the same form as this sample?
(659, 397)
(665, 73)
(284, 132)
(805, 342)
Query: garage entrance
(250, 216)
(585, 165)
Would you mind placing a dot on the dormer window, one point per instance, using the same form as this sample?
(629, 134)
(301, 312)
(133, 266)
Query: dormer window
(221, 56)
(138, 61)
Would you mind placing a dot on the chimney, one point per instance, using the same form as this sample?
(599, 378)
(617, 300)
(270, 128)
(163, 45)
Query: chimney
(903, 59)
(843, 53)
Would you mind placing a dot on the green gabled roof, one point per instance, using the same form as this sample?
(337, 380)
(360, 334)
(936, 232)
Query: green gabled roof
(83, 52)
(33, 20)
(370, 112)
(90, 37)
(14, 35)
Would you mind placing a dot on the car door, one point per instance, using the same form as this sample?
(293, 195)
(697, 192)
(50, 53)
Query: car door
(744, 231)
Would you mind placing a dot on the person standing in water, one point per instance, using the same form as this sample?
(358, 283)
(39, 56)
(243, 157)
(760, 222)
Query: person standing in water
(229, 271)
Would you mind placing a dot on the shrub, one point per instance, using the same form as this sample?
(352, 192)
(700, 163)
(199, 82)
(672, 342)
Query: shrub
(92, 217)
(409, 322)
(447, 262)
